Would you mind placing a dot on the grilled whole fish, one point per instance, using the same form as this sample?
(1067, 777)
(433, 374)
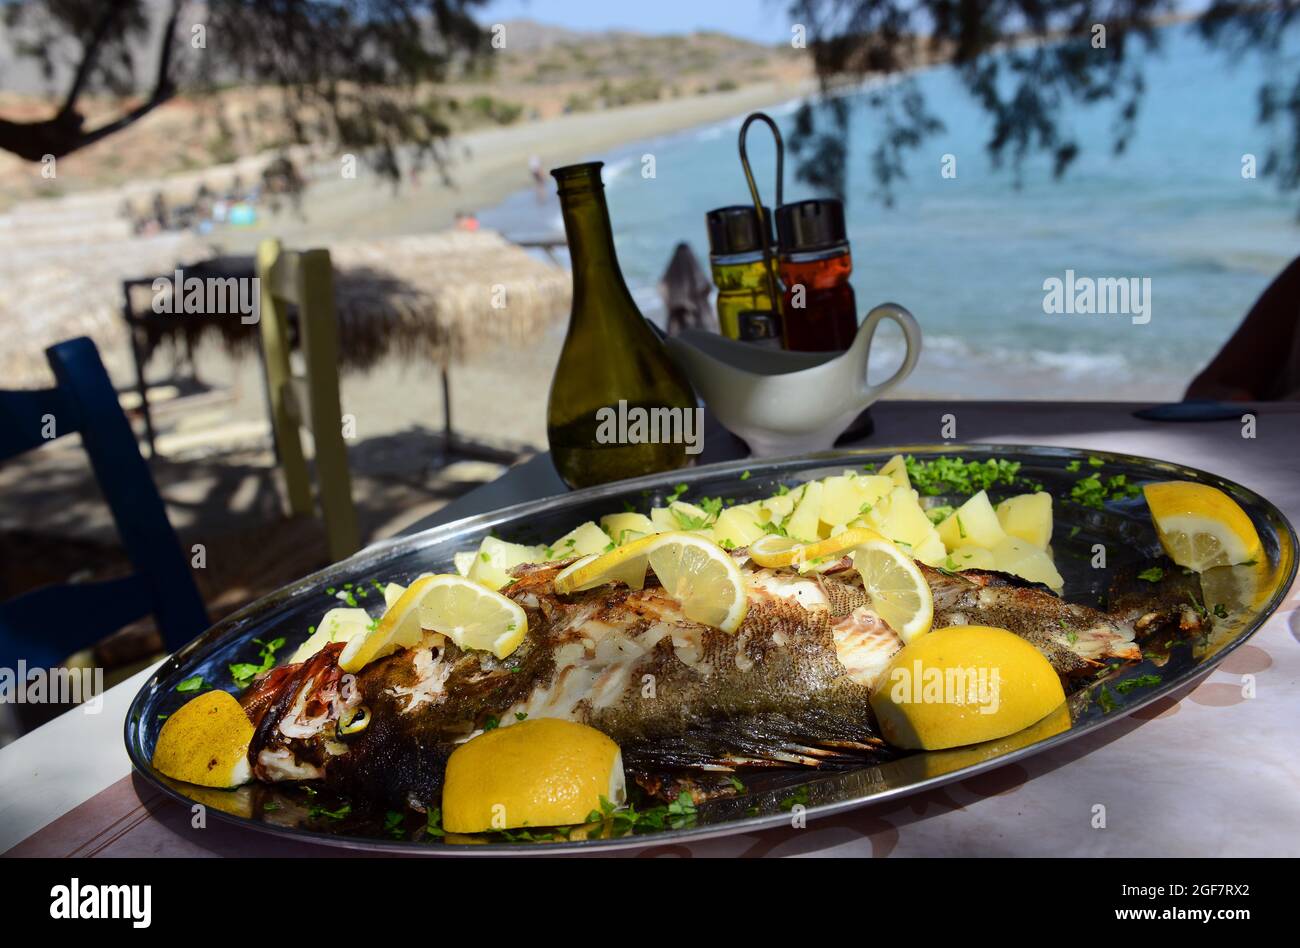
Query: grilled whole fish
(789, 689)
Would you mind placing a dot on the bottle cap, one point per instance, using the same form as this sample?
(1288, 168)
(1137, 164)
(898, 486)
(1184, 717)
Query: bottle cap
(810, 225)
(735, 229)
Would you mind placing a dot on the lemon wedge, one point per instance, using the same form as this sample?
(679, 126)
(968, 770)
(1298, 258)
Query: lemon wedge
(899, 593)
(775, 551)
(472, 616)
(962, 685)
(398, 628)
(465, 611)
(624, 564)
(205, 742)
(543, 772)
(1200, 526)
(694, 570)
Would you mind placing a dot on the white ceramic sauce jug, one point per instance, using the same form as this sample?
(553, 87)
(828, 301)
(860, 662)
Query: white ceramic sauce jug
(788, 403)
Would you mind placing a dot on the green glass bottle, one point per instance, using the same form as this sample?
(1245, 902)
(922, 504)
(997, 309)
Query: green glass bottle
(613, 372)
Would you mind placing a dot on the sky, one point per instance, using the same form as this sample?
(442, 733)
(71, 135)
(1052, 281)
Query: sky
(763, 21)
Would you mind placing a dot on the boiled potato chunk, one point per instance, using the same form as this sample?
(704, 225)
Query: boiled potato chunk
(1029, 517)
(738, 525)
(974, 523)
(930, 551)
(777, 508)
(971, 557)
(805, 522)
(582, 540)
(495, 558)
(900, 518)
(896, 470)
(679, 515)
(463, 561)
(844, 496)
(623, 527)
(1019, 558)
(337, 625)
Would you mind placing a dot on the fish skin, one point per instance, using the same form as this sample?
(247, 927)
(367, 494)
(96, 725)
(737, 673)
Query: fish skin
(789, 689)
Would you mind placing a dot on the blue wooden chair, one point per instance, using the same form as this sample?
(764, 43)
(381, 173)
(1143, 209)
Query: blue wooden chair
(46, 625)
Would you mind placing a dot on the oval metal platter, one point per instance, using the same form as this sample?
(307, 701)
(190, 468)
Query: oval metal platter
(1122, 526)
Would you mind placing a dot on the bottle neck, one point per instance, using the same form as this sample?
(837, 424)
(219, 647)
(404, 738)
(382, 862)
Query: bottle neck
(590, 237)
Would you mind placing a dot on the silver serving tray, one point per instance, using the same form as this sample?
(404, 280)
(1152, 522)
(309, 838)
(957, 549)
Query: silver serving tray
(1124, 526)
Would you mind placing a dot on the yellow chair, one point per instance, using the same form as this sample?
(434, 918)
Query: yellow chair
(306, 280)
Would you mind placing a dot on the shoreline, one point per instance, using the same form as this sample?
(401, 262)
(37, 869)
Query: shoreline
(487, 167)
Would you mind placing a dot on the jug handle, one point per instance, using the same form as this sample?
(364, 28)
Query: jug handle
(911, 335)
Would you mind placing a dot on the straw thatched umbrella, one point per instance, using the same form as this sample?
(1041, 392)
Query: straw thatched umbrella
(442, 297)
(436, 297)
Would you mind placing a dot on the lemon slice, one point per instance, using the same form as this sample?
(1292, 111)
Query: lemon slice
(1200, 526)
(899, 593)
(471, 615)
(543, 772)
(695, 571)
(625, 564)
(775, 551)
(398, 628)
(702, 576)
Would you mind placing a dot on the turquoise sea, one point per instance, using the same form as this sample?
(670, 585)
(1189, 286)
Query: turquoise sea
(969, 255)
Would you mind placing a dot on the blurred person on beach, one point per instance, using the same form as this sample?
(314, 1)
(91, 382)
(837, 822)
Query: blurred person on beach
(466, 221)
(1261, 360)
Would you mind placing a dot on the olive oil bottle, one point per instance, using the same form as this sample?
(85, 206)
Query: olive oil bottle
(612, 366)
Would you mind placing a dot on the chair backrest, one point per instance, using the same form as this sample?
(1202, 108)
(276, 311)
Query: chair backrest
(305, 279)
(46, 625)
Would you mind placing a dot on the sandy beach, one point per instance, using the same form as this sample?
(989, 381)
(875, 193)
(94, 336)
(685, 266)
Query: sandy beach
(486, 166)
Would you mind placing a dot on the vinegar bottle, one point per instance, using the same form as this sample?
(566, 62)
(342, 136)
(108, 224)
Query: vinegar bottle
(818, 308)
(612, 363)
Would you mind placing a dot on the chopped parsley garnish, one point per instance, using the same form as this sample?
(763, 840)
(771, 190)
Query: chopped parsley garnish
(745, 476)
(520, 715)
(491, 724)
(393, 824)
(677, 493)
(1094, 461)
(688, 522)
(800, 797)
(1106, 700)
(317, 811)
(782, 490)
(937, 515)
(711, 506)
(771, 527)
(955, 475)
(1141, 681)
(1152, 575)
(736, 784)
(675, 815)
(1073, 466)
(244, 672)
(191, 684)
(433, 822)
(1220, 611)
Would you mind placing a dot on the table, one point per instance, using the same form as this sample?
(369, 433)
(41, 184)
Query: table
(1204, 773)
